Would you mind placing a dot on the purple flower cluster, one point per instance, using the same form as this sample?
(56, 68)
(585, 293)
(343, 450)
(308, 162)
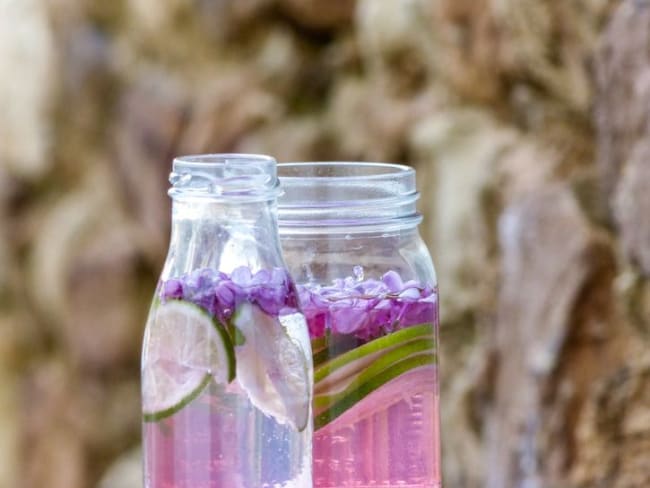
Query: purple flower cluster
(367, 309)
(220, 294)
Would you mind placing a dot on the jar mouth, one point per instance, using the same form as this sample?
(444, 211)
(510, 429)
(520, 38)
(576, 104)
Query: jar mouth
(341, 194)
(225, 176)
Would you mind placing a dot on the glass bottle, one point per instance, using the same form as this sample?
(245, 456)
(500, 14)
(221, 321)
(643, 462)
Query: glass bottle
(368, 289)
(226, 364)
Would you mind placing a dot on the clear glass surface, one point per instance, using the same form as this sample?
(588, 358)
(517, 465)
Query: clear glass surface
(226, 366)
(368, 289)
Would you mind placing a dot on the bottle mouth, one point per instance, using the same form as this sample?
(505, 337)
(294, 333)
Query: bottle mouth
(225, 176)
(341, 195)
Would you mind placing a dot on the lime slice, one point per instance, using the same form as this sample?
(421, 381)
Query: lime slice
(361, 370)
(371, 349)
(184, 348)
(326, 348)
(181, 393)
(344, 380)
(272, 367)
(366, 386)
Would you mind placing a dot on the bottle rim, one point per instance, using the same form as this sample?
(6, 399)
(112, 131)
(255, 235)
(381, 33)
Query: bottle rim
(344, 195)
(224, 176)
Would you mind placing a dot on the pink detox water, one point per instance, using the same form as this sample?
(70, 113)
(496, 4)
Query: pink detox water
(389, 439)
(384, 432)
(246, 429)
(221, 440)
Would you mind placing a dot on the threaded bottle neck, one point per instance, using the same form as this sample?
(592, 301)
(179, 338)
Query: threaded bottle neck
(224, 177)
(335, 197)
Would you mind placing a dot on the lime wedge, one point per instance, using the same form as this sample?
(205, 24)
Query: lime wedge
(272, 367)
(326, 348)
(382, 344)
(367, 386)
(345, 379)
(360, 371)
(184, 349)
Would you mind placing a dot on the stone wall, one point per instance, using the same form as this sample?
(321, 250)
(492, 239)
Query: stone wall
(527, 121)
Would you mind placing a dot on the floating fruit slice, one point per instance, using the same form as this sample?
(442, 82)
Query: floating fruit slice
(185, 347)
(180, 393)
(349, 377)
(362, 389)
(328, 347)
(271, 367)
(331, 389)
(379, 345)
(418, 380)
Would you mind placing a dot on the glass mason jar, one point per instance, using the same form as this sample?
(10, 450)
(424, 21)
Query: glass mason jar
(226, 364)
(368, 289)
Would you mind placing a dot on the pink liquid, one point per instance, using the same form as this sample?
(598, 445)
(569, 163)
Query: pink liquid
(388, 439)
(224, 443)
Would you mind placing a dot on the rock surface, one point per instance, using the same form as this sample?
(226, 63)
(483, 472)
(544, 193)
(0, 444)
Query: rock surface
(624, 127)
(27, 57)
(533, 329)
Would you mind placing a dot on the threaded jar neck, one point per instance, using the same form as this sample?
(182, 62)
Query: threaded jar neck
(224, 177)
(335, 197)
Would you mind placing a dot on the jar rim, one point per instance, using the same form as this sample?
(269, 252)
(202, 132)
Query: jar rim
(224, 176)
(392, 170)
(199, 160)
(344, 194)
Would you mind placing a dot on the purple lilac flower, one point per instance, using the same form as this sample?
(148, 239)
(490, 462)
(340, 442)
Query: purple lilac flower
(220, 294)
(369, 308)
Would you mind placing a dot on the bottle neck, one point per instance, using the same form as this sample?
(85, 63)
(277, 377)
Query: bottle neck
(222, 235)
(346, 198)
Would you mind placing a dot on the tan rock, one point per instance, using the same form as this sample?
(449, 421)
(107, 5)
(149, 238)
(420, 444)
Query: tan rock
(320, 14)
(632, 204)
(152, 114)
(126, 472)
(298, 139)
(10, 429)
(281, 61)
(226, 109)
(371, 123)
(54, 453)
(28, 81)
(617, 414)
(58, 461)
(550, 254)
(395, 40)
(624, 125)
(553, 42)
(464, 49)
(153, 16)
(81, 275)
(227, 20)
(462, 149)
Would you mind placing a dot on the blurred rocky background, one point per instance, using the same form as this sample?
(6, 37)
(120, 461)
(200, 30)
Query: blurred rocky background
(528, 122)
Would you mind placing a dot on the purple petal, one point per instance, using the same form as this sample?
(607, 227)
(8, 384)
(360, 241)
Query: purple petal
(393, 281)
(410, 294)
(279, 276)
(261, 277)
(172, 289)
(241, 276)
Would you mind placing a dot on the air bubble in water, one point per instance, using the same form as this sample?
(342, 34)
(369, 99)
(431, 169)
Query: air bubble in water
(358, 272)
(307, 272)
